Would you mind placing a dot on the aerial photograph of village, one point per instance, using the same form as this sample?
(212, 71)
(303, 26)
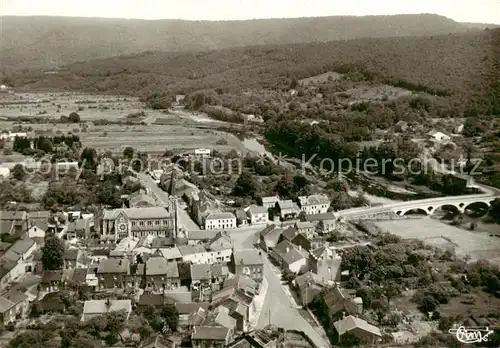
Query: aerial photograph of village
(249, 174)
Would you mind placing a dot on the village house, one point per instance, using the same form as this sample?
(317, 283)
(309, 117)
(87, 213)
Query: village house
(194, 253)
(437, 136)
(241, 217)
(171, 254)
(220, 317)
(237, 295)
(158, 341)
(220, 272)
(211, 336)
(269, 237)
(220, 221)
(220, 248)
(287, 209)
(191, 313)
(140, 199)
(292, 235)
(257, 215)
(365, 332)
(201, 280)
(52, 281)
(13, 264)
(325, 263)
(203, 152)
(202, 204)
(270, 202)
(290, 257)
(314, 204)
(248, 262)
(339, 304)
(38, 217)
(95, 308)
(18, 218)
(38, 230)
(113, 273)
(75, 258)
(305, 227)
(13, 305)
(308, 287)
(158, 274)
(323, 222)
(138, 222)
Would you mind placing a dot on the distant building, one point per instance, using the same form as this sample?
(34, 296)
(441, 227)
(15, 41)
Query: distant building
(138, 222)
(220, 221)
(366, 333)
(248, 262)
(401, 126)
(203, 152)
(95, 308)
(288, 209)
(270, 202)
(314, 204)
(438, 136)
(258, 215)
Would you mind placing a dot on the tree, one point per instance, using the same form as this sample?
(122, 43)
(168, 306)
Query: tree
(74, 118)
(302, 216)
(89, 158)
(128, 152)
(391, 290)
(18, 172)
(53, 253)
(245, 185)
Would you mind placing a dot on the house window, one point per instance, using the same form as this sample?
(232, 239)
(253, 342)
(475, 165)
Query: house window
(133, 223)
(150, 223)
(141, 223)
(157, 222)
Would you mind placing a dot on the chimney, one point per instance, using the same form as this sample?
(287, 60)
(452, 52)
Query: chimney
(300, 247)
(287, 250)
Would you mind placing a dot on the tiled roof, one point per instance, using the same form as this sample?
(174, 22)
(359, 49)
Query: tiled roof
(52, 276)
(22, 246)
(288, 204)
(151, 300)
(71, 254)
(222, 241)
(210, 333)
(156, 266)
(351, 322)
(255, 209)
(290, 233)
(5, 305)
(219, 216)
(138, 213)
(314, 200)
(12, 215)
(190, 307)
(171, 253)
(38, 215)
(201, 272)
(106, 306)
(219, 270)
(304, 224)
(114, 266)
(191, 249)
(321, 217)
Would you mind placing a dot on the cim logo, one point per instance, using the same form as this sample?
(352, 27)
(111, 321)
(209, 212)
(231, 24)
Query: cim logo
(469, 336)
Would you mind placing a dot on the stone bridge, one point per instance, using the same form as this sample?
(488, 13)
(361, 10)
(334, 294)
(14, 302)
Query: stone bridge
(427, 206)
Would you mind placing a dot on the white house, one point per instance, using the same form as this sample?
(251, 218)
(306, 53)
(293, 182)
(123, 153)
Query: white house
(203, 152)
(258, 215)
(438, 136)
(12, 136)
(37, 230)
(314, 204)
(220, 221)
(270, 202)
(95, 308)
(194, 253)
(220, 248)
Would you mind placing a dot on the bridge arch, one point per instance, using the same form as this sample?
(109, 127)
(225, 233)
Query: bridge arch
(416, 211)
(477, 209)
(447, 211)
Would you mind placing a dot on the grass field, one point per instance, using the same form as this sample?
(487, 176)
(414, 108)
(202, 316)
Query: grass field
(478, 245)
(320, 78)
(54, 105)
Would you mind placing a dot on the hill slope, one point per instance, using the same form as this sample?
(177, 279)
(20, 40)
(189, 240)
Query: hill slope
(49, 42)
(459, 64)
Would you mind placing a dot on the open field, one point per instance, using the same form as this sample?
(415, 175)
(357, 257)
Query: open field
(320, 78)
(477, 245)
(54, 105)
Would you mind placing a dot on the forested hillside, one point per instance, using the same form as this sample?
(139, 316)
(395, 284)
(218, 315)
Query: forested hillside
(49, 42)
(459, 65)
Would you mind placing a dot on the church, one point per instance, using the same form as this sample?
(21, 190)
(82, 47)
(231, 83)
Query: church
(139, 222)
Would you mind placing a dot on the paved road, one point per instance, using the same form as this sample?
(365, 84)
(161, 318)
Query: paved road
(279, 310)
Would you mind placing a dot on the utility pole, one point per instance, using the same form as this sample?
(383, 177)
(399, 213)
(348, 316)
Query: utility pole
(269, 316)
